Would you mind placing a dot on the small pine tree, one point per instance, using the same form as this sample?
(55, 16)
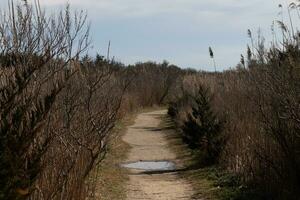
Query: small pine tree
(202, 128)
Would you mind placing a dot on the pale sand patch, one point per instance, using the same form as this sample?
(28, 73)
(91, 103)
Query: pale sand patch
(148, 143)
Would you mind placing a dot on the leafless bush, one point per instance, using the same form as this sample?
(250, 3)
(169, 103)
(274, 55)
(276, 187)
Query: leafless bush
(261, 105)
(153, 84)
(56, 111)
(260, 102)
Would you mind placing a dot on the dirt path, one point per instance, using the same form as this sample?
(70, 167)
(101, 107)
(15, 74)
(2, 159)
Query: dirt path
(148, 143)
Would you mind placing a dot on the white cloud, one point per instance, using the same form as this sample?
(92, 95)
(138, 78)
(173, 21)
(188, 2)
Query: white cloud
(187, 24)
(235, 13)
(146, 7)
(221, 11)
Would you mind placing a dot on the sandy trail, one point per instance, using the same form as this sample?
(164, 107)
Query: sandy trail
(148, 143)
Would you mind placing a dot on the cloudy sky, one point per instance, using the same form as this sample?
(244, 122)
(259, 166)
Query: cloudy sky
(179, 31)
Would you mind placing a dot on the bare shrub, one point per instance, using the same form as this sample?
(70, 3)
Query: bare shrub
(260, 101)
(56, 110)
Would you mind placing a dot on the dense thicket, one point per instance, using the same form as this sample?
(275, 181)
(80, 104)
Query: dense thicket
(259, 102)
(58, 107)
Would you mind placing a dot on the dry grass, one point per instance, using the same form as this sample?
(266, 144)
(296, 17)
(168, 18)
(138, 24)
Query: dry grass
(205, 180)
(111, 177)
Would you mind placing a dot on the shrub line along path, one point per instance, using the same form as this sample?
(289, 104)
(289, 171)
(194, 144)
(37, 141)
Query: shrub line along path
(148, 143)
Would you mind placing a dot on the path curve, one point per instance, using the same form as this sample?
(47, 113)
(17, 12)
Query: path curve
(148, 143)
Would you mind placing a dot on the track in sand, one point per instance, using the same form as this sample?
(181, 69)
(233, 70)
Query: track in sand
(148, 143)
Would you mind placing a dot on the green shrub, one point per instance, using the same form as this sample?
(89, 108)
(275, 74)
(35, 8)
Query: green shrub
(173, 109)
(202, 128)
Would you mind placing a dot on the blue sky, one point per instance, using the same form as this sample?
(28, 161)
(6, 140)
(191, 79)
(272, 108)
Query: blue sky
(179, 31)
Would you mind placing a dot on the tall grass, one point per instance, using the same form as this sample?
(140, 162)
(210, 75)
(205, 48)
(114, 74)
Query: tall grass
(260, 102)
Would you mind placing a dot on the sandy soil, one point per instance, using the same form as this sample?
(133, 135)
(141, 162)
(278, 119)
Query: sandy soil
(148, 143)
